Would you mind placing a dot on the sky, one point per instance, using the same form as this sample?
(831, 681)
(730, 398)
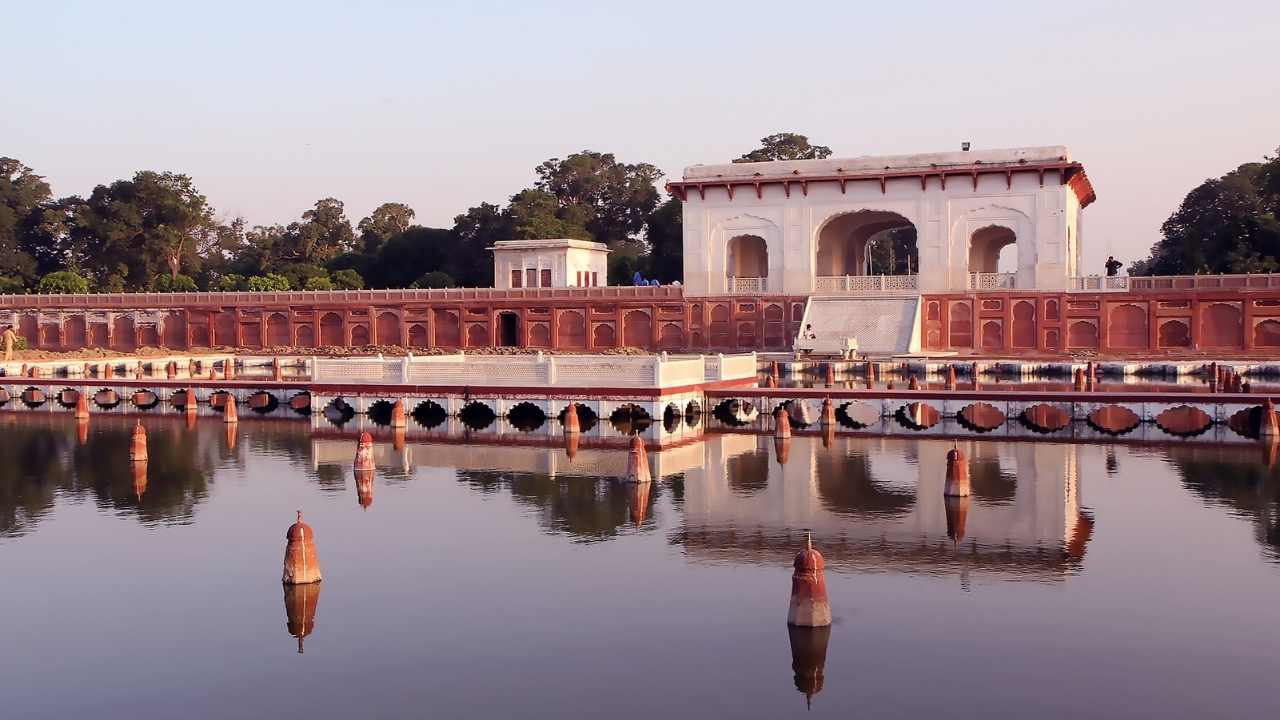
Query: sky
(271, 106)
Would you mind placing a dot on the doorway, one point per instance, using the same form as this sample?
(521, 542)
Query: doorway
(508, 329)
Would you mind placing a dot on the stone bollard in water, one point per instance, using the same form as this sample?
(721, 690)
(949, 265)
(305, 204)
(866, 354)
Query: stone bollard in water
(571, 440)
(229, 369)
(951, 377)
(139, 372)
(781, 423)
(364, 452)
(82, 406)
(1078, 380)
(300, 564)
(809, 604)
(912, 383)
(782, 449)
(957, 509)
(171, 369)
(138, 448)
(570, 422)
(957, 484)
(189, 405)
(638, 462)
(773, 370)
(397, 415)
(277, 373)
(831, 375)
(771, 382)
(139, 480)
(828, 413)
(1269, 428)
(229, 415)
(82, 431)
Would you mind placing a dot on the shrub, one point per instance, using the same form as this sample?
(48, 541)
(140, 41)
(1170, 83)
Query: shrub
(10, 285)
(270, 282)
(62, 282)
(348, 280)
(231, 283)
(319, 283)
(169, 283)
(434, 279)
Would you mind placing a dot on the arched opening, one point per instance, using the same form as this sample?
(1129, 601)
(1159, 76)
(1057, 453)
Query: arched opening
(379, 412)
(747, 264)
(145, 400)
(388, 327)
(34, 397)
(587, 418)
(526, 417)
(301, 403)
(637, 329)
(867, 242)
(67, 398)
(417, 336)
(993, 258)
(306, 336)
(106, 398)
(263, 402)
(671, 418)
(360, 335)
(630, 419)
(331, 329)
(339, 412)
(429, 414)
(476, 415)
(277, 330)
(508, 329)
(571, 331)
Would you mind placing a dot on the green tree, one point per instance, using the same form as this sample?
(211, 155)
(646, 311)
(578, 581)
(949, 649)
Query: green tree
(1229, 224)
(665, 237)
(24, 196)
(170, 283)
(434, 279)
(271, 282)
(10, 285)
(63, 282)
(610, 199)
(411, 253)
(299, 273)
(230, 283)
(385, 222)
(348, 280)
(476, 229)
(323, 234)
(156, 222)
(318, 283)
(537, 214)
(785, 146)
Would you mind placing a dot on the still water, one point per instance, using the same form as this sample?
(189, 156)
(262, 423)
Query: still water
(509, 580)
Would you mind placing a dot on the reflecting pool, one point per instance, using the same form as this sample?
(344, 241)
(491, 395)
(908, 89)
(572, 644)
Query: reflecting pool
(499, 578)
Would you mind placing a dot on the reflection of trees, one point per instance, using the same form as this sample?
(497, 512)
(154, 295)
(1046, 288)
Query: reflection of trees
(587, 508)
(748, 473)
(1238, 479)
(846, 486)
(41, 458)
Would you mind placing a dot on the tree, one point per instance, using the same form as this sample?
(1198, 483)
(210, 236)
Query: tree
(23, 197)
(386, 221)
(610, 199)
(63, 282)
(665, 236)
(1226, 225)
(537, 214)
(476, 229)
(348, 280)
(785, 146)
(156, 222)
(271, 282)
(10, 285)
(230, 283)
(323, 234)
(169, 283)
(318, 283)
(410, 254)
(434, 279)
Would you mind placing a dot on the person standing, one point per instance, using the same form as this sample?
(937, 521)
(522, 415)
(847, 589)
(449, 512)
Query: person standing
(10, 337)
(1113, 266)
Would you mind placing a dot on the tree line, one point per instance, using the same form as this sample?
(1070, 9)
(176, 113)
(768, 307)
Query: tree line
(156, 231)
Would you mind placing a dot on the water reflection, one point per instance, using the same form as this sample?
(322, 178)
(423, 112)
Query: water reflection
(808, 658)
(300, 603)
(1242, 481)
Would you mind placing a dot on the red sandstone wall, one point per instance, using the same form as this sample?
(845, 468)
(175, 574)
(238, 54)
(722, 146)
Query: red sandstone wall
(598, 319)
(1130, 323)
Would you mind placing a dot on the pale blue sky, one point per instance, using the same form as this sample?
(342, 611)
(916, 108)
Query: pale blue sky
(273, 105)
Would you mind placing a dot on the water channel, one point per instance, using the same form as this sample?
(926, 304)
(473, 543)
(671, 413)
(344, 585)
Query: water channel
(512, 580)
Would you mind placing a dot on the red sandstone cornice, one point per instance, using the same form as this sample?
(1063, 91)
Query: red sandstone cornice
(1070, 173)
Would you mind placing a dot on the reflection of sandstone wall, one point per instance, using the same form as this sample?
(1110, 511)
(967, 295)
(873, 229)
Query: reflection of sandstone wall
(879, 501)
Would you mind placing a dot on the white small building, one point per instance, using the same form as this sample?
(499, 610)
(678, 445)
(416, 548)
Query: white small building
(808, 227)
(552, 263)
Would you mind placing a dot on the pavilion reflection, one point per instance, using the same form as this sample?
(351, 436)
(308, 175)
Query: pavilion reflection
(877, 504)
